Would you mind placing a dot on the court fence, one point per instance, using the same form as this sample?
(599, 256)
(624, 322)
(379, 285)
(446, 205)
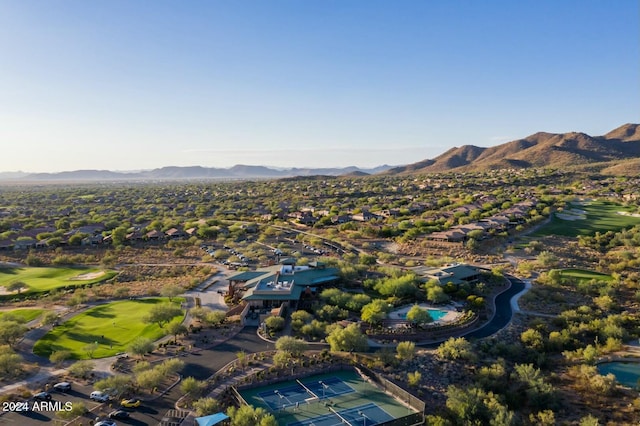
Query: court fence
(372, 377)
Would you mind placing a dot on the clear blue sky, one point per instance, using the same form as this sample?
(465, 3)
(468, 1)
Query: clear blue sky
(127, 85)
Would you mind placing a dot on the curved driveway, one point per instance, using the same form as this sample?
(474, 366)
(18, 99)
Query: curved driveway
(503, 314)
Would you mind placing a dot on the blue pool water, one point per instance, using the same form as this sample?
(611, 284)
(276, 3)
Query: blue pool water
(627, 373)
(436, 314)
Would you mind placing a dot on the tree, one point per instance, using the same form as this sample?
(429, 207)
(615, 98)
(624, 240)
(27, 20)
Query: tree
(176, 328)
(141, 346)
(171, 291)
(192, 387)
(162, 314)
(206, 406)
(116, 385)
(247, 415)
(413, 379)
(90, 348)
(58, 357)
(435, 294)
(17, 286)
(418, 316)
(406, 350)
(533, 339)
(170, 366)
(77, 410)
(9, 362)
(374, 312)
(274, 323)
(349, 339)
(119, 236)
(81, 369)
(282, 358)
(11, 331)
(292, 345)
(49, 318)
(456, 348)
(149, 379)
(215, 318)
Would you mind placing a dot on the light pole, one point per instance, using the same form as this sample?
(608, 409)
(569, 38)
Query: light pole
(324, 387)
(364, 418)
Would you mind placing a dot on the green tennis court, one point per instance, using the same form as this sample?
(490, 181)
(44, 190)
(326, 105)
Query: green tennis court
(337, 398)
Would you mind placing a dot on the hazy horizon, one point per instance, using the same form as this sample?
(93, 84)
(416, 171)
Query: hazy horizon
(141, 85)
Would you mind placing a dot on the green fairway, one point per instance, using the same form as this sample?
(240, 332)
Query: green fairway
(584, 275)
(45, 279)
(113, 326)
(599, 216)
(25, 315)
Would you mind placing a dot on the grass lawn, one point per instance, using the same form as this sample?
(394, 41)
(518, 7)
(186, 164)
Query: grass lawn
(26, 314)
(45, 279)
(114, 326)
(584, 275)
(600, 216)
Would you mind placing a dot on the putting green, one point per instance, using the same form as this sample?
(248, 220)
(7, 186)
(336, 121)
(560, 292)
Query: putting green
(26, 314)
(584, 275)
(45, 279)
(113, 326)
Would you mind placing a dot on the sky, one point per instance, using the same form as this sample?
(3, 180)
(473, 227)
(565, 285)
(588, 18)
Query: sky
(132, 85)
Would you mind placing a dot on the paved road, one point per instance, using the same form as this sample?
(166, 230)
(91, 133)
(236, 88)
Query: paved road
(504, 312)
(200, 365)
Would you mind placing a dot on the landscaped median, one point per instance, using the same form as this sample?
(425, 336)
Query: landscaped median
(108, 329)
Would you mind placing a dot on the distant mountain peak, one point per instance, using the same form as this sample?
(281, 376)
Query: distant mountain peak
(541, 149)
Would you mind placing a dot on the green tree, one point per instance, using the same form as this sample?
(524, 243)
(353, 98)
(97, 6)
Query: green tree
(141, 346)
(406, 351)
(247, 415)
(149, 379)
(116, 385)
(17, 286)
(292, 345)
(413, 379)
(418, 316)
(11, 331)
(206, 406)
(436, 294)
(348, 339)
(91, 348)
(81, 369)
(192, 387)
(171, 291)
(10, 362)
(162, 314)
(456, 348)
(77, 410)
(49, 318)
(58, 357)
(274, 323)
(374, 312)
(176, 329)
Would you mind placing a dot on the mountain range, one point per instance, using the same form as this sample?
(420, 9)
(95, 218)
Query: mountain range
(617, 152)
(191, 172)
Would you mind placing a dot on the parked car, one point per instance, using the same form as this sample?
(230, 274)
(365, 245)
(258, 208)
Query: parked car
(119, 414)
(99, 396)
(131, 403)
(42, 396)
(105, 423)
(122, 355)
(62, 387)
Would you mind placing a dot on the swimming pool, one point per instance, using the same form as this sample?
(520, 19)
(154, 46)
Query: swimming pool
(436, 314)
(627, 373)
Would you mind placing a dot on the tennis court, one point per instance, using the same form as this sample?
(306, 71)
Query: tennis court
(331, 399)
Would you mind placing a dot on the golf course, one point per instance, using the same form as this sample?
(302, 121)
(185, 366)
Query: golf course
(38, 280)
(23, 315)
(110, 328)
(588, 218)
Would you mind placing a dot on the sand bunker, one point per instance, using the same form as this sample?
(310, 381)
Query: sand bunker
(629, 214)
(89, 276)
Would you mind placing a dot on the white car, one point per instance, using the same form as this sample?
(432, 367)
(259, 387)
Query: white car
(99, 396)
(62, 387)
(105, 423)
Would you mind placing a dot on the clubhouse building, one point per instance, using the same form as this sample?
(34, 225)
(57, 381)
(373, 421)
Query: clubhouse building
(283, 284)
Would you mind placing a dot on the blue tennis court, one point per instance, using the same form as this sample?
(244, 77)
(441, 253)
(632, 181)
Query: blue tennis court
(328, 387)
(362, 415)
(303, 392)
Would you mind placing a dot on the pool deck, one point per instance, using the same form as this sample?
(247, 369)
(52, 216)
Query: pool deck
(451, 315)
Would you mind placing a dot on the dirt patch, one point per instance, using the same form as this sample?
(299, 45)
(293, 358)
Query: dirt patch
(88, 276)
